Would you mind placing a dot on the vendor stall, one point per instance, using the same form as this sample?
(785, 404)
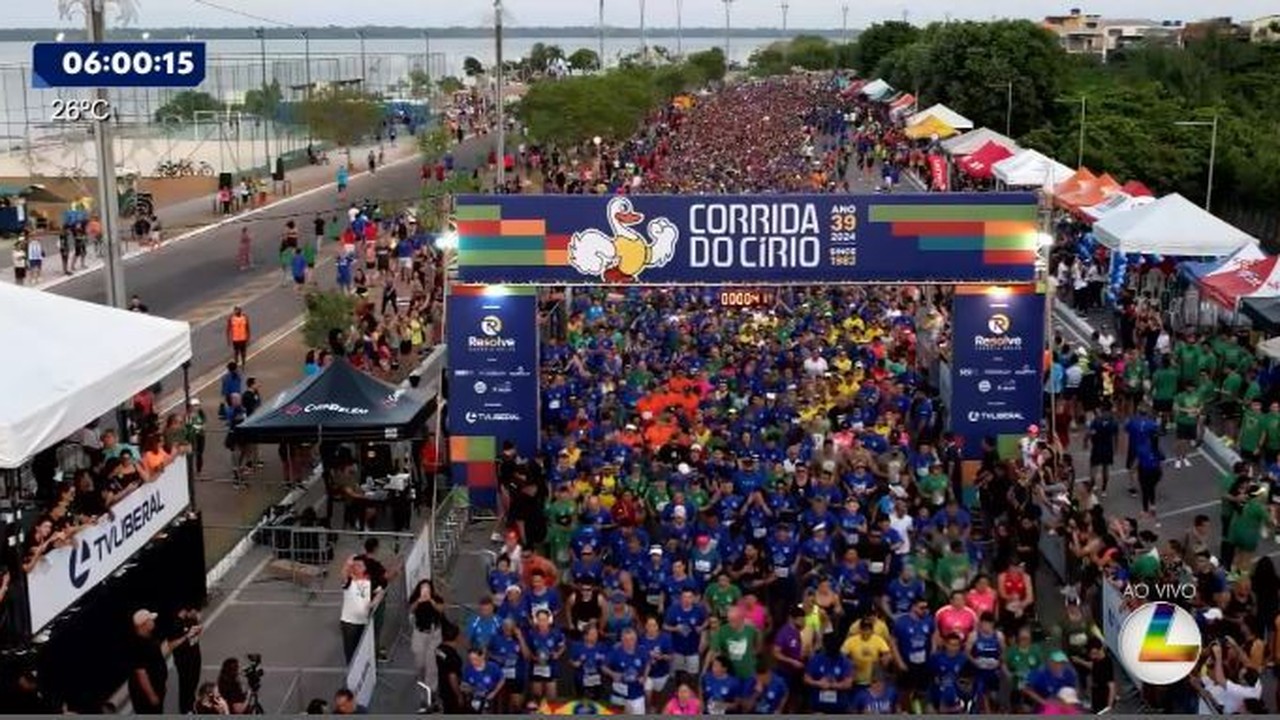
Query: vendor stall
(974, 140)
(1171, 225)
(943, 113)
(1031, 168)
(979, 165)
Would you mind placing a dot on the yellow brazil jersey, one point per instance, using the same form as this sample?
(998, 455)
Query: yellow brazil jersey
(865, 653)
(842, 364)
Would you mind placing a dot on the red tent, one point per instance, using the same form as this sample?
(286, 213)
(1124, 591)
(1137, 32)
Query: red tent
(1136, 188)
(978, 164)
(1256, 278)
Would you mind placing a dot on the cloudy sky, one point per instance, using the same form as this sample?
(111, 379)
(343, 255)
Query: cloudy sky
(755, 13)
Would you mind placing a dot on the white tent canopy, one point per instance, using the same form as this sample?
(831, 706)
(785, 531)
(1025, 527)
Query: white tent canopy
(1172, 225)
(943, 113)
(1115, 203)
(1030, 168)
(875, 88)
(970, 142)
(70, 362)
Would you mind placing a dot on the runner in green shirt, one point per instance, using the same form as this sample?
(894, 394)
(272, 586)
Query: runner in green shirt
(1187, 407)
(1135, 377)
(1164, 386)
(1187, 356)
(933, 487)
(562, 513)
(1021, 658)
(1252, 431)
(737, 642)
(1271, 432)
(1246, 530)
(723, 595)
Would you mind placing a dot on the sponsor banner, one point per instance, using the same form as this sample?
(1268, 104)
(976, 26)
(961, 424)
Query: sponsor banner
(1113, 615)
(65, 574)
(416, 562)
(938, 174)
(722, 240)
(493, 388)
(997, 357)
(362, 673)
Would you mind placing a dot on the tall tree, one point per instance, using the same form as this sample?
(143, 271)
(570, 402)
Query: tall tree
(341, 116)
(881, 40)
(472, 67)
(584, 60)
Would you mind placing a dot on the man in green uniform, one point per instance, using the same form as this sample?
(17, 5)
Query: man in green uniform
(1187, 415)
(1164, 387)
(1252, 431)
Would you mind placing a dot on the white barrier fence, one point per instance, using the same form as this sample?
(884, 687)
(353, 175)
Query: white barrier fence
(362, 671)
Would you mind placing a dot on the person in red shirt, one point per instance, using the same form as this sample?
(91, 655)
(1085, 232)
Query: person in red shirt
(956, 618)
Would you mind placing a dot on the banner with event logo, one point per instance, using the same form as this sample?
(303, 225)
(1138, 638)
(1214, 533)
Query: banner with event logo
(750, 239)
(493, 382)
(997, 355)
(65, 574)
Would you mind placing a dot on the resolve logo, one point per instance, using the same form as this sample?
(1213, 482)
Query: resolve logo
(1160, 643)
(490, 337)
(998, 325)
(491, 325)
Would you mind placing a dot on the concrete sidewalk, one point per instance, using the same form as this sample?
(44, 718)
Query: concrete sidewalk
(188, 218)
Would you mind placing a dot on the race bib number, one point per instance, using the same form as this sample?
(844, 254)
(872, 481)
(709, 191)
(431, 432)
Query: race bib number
(876, 567)
(620, 690)
(917, 657)
(542, 671)
(554, 404)
(702, 566)
(591, 680)
(653, 599)
(827, 697)
(759, 533)
(509, 673)
(782, 572)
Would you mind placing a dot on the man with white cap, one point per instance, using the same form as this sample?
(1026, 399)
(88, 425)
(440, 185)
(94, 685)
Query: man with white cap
(148, 668)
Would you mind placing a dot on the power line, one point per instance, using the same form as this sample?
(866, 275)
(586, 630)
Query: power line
(243, 14)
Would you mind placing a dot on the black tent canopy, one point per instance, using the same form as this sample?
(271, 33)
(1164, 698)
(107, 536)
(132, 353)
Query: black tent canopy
(339, 403)
(1263, 311)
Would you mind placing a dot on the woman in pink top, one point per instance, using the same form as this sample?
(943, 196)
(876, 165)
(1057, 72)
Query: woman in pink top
(956, 618)
(685, 702)
(754, 612)
(982, 598)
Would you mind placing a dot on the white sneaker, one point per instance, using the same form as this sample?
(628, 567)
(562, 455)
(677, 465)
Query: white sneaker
(1186, 462)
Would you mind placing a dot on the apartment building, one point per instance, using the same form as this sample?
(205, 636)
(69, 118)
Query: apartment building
(1090, 34)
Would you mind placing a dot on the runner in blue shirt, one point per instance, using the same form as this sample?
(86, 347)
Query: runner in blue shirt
(626, 669)
(721, 690)
(986, 652)
(485, 624)
(481, 682)
(903, 591)
(878, 698)
(829, 677)
(588, 656)
(947, 668)
(655, 643)
(767, 694)
(686, 620)
(545, 645)
(507, 651)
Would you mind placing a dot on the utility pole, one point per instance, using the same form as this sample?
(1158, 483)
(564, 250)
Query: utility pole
(363, 76)
(785, 7)
(680, 28)
(600, 31)
(266, 110)
(644, 44)
(306, 52)
(844, 23)
(498, 86)
(728, 26)
(108, 195)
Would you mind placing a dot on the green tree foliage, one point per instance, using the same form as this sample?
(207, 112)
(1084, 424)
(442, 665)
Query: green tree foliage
(263, 101)
(609, 104)
(880, 41)
(708, 64)
(968, 64)
(472, 67)
(809, 52)
(419, 83)
(327, 311)
(450, 85)
(186, 104)
(584, 60)
(341, 116)
(542, 55)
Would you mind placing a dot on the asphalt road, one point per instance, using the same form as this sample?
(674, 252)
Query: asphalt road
(197, 280)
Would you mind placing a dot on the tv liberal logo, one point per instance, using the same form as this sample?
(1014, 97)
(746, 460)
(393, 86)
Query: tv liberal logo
(1160, 643)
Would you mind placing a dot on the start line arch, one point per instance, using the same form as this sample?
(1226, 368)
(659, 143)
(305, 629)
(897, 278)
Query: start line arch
(509, 245)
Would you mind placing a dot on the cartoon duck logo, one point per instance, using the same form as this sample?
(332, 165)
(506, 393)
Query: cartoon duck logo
(621, 255)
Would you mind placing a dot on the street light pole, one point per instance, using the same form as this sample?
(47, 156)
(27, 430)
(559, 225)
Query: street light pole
(1084, 107)
(728, 25)
(306, 52)
(501, 93)
(600, 32)
(1213, 153)
(680, 28)
(785, 7)
(364, 83)
(266, 112)
(844, 23)
(1008, 111)
(644, 45)
(108, 194)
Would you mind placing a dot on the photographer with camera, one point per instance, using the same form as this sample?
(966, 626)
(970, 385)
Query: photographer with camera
(209, 701)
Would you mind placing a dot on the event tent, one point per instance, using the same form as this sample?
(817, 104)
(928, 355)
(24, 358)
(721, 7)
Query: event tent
(1172, 225)
(1118, 201)
(876, 89)
(1137, 188)
(943, 113)
(979, 164)
(929, 128)
(339, 403)
(1075, 182)
(1194, 270)
(1253, 279)
(972, 141)
(902, 105)
(1090, 193)
(1030, 168)
(71, 362)
(1264, 313)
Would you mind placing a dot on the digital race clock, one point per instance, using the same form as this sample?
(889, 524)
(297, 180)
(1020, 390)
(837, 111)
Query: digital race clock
(123, 64)
(747, 298)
